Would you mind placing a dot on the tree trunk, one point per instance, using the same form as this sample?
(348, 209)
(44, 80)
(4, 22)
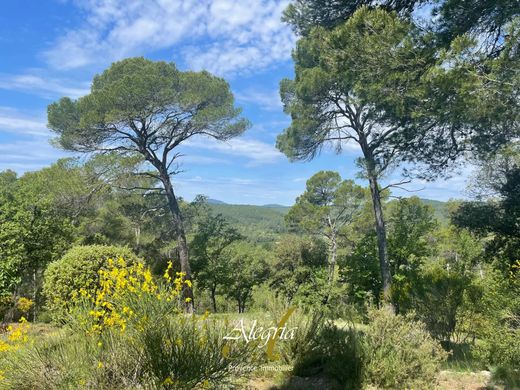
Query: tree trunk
(214, 298)
(182, 244)
(384, 263)
(35, 295)
(332, 259)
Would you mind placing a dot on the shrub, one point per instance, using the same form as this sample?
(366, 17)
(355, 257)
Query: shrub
(443, 290)
(400, 352)
(320, 348)
(78, 269)
(130, 333)
(338, 354)
(498, 350)
(175, 353)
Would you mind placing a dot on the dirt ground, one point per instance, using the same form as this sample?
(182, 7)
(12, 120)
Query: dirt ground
(448, 380)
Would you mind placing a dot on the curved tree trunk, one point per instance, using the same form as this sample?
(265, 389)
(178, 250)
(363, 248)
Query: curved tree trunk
(182, 244)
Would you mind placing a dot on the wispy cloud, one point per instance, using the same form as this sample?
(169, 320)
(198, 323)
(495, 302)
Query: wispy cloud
(22, 156)
(24, 141)
(222, 36)
(13, 121)
(238, 190)
(255, 151)
(267, 100)
(43, 86)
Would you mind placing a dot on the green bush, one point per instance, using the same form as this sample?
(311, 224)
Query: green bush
(498, 350)
(320, 348)
(78, 269)
(337, 354)
(400, 352)
(438, 298)
(175, 352)
(131, 334)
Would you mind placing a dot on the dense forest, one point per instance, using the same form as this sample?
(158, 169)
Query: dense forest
(110, 279)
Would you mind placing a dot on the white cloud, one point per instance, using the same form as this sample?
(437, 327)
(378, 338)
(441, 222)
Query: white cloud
(22, 156)
(443, 189)
(257, 152)
(30, 150)
(43, 86)
(238, 190)
(267, 100)
(12, 121)
(202, 160)
(222, 36)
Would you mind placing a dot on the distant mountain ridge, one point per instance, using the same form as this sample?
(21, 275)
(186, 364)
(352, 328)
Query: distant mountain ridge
(263, 223)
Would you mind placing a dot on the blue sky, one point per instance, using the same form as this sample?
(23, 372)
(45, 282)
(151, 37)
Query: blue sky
(53, 48)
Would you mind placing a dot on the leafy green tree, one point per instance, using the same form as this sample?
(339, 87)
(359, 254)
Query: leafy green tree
(349, 84)
(145, 108)
(297, 269)
(34, 232)
(345, 82)
(248, 265)
(212, 235)
(410, 226)
(360, 272)
(11, 248)
(442, 289)
(496, 212)
(327, 205)
(410, 241)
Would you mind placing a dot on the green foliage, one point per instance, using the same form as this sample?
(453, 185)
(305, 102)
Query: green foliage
(212, 235)
(410, 227)
(299, 270)
(249, 266)
(498, 181)
(409, 224)
(443, 290)
(326, 207)
(303, 15)
(453, 17)
(260, 224)
(337, 354)
(169, 352)
(400, 352)
(360, 272)
(134, 89)
(342, 72)
(327, 204)
(33, 230)
(78, 269)
(492, 316)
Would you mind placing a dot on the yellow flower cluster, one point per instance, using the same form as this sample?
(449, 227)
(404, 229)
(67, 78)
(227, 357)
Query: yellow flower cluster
(16, 336)
(118, 282)
(24, 304)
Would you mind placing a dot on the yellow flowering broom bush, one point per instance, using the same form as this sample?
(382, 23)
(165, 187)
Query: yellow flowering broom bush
(131, 333)
(78, 269)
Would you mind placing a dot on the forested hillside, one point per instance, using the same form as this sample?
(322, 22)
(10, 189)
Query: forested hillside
(264, 223)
